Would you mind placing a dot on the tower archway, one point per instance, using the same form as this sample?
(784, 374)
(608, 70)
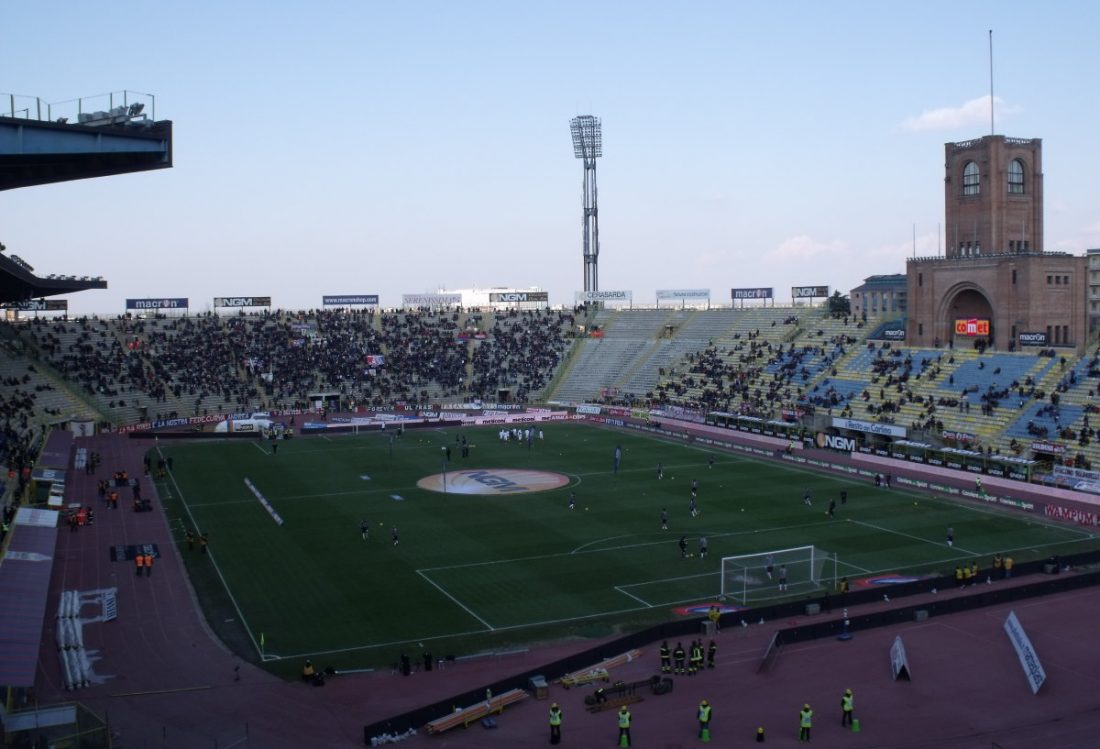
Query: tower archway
(966, 316)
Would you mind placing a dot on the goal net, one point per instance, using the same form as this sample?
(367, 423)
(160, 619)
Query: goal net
(750, 578)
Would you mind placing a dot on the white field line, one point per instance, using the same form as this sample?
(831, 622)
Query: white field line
(915, 538)
(260, 448)
(213, 561)
(549, 622)
(580, 550)
(457, 602)
(642, 601)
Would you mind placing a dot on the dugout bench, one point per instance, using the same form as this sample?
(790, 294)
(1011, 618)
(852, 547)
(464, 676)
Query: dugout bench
(475, 712)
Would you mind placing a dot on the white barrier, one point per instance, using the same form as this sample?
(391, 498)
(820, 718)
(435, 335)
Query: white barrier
(1029, 659)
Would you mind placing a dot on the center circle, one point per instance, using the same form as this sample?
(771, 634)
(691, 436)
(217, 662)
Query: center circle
(495, 481)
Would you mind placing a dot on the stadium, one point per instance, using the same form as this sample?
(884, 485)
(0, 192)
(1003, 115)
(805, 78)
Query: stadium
(357, 524)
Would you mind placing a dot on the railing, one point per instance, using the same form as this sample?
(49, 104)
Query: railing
(100, 109)
(983, 256)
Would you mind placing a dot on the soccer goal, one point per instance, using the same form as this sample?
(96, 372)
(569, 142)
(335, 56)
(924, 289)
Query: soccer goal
(753, 577)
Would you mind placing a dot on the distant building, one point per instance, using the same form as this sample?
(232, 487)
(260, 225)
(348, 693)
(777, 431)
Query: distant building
(880, 295)
(995, 285)
(1094, 288)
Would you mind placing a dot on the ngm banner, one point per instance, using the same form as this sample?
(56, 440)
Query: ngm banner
(40, 305)
(242, 301)
(431, 300)
(519, 296)
(809, 292)
(178, 303)
(604, 296)
(347, 300)
(663, 294)
(758, 293)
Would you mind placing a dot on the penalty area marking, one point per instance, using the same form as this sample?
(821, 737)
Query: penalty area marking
(910, 535)
(457, 602)
(583, 548)
(263, 501)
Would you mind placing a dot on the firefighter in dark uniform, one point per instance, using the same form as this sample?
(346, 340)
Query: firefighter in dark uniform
(678, 655)
(666, 658)
(696, 658)
(712, 652)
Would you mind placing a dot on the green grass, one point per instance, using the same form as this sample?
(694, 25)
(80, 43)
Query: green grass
(476, 572)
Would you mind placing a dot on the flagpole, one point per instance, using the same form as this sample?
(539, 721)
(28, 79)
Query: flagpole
(992, 127)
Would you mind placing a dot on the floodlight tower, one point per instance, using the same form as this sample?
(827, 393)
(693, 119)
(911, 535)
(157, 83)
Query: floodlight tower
(588, 146)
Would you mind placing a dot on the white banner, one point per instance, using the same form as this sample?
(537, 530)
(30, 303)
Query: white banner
(1029, 660)
(1065, 473)
(663, 294)
(871, 427)
(431, 300)
(604, 296)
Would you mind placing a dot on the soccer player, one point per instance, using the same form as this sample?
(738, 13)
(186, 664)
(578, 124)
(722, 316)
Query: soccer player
(572, 500)
(683, 547)
(702, 547)
(618, 457)
(769, 565)
(660, 471)
(832, 507)
(664, 519)
(394, 536)
(710, 461)
(364, 529)
(693, 508)
(950, 536)
(782, 577)
(843, 496)
(807, 498)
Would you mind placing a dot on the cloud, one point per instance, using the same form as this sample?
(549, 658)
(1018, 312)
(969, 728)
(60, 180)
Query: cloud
(973, 112)
(1077, 239)
(927, 245)
(803, 248)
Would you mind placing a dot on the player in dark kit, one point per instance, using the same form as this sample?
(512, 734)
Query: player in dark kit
(683, 547)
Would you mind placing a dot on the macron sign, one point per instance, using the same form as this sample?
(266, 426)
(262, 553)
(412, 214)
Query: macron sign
(177, 303)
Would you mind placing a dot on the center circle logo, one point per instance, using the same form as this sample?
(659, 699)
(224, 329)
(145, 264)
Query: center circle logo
(493, 481)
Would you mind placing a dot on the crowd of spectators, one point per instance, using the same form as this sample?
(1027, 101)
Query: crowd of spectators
(521, 352)
(207, 363)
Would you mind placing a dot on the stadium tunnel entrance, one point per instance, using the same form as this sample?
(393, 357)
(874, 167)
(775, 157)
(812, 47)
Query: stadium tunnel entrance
(966, 318)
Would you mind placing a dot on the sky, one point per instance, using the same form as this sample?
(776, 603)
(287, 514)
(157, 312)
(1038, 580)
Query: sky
(389, 148)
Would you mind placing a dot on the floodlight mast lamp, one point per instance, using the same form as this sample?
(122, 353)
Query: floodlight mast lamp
(588, 146)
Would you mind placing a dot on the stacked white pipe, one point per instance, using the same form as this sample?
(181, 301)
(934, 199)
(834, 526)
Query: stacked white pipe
(75, 665)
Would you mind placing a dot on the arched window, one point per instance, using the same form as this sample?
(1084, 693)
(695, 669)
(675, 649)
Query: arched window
(1016, 177)
(972, 180)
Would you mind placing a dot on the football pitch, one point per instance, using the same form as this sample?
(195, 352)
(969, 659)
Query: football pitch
(290, 576)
